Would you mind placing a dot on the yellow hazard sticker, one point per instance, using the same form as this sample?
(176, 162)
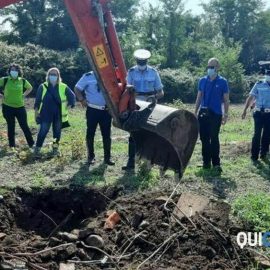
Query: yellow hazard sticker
(100, 56)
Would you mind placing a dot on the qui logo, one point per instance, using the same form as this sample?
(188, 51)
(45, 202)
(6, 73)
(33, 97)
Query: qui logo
(253, 239)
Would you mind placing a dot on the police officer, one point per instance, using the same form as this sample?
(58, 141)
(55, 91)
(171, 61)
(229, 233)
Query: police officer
(90, 96)
(147, 84)
(260, 93)
(213, 91)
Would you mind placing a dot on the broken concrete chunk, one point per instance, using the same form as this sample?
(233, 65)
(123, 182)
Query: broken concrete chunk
(189, 204)
(67, 252)
(68, 237)
(95, 241)
(86, 232)
(75, 232)
(68, 266)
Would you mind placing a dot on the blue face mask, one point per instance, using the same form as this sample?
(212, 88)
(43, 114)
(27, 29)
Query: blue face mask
(211, 72)
(53, 79)
(14, 74)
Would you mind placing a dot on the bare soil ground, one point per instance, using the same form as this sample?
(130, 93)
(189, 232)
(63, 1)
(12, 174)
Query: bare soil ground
(146, 232)
(53, 208)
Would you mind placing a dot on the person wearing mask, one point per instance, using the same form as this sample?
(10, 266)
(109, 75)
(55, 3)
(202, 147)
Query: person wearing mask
(213, 93)
(15, 88)
(51, 108)
(147, 84)
(90, 96)
(260, 94)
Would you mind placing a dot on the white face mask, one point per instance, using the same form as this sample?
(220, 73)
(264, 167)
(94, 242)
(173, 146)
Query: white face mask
(267, 78)
(14, 74)
(141, 68)
(211, 72)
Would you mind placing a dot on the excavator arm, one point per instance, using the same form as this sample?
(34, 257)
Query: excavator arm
(163, 135)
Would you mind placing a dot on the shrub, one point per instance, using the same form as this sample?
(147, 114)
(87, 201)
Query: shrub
(178, 84)
(36, 60)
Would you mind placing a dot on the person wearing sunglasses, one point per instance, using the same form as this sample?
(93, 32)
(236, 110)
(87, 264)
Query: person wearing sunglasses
(212, 106)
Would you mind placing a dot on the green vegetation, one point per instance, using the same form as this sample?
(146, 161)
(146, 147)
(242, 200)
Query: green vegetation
(235, 31)
(36, 60)
(254, 210)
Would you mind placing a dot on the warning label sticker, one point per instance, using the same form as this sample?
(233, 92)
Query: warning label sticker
(101, 58)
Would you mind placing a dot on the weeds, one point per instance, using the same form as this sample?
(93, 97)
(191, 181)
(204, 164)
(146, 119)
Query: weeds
(145, 176)
(253, 209)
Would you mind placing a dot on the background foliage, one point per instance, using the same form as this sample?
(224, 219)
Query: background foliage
(235, 31)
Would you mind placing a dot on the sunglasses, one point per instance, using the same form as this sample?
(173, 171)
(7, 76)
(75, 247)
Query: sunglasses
(210, 67)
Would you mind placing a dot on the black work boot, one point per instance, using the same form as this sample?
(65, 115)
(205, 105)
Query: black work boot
(55, 149)
(131, 155)
(130, 165)
(107, 152)
(90, 151)
(91, 161)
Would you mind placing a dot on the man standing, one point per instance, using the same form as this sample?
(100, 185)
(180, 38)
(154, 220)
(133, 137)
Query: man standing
(213, 91)
(260, 93)
(90, 96)
(147, 85)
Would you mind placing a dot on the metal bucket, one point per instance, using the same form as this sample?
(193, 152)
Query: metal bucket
(167, 137)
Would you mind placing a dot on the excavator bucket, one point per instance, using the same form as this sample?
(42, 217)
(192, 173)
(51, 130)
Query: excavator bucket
(167, 137)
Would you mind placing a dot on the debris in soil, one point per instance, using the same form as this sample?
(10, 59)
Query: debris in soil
(189, 204)
(144, 237)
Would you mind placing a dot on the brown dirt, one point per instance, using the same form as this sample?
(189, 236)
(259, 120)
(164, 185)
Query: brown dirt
(27, 219)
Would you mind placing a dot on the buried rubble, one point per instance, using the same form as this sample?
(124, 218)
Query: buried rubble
(64, 229)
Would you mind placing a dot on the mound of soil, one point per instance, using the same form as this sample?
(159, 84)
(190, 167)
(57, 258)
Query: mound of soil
(41, 230)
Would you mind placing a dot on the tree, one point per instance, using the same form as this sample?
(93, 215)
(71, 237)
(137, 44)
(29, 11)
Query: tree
(42, 22)
(25, 19)
(173, 10)
(124, 12)
(236, 20)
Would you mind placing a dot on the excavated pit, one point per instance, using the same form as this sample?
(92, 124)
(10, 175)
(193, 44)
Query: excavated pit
(35, 232)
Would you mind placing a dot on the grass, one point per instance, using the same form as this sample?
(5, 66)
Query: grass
(254, 210)
(239, 176)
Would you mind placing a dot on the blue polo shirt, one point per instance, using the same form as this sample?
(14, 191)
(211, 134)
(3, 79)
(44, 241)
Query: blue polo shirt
(213, 92)
(261, 91)
(88, 84)
(144, 81)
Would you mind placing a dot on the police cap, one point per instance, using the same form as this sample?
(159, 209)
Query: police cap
(142, 54)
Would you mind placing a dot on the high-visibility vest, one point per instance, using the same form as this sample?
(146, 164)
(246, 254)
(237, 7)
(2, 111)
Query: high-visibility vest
(62, 93)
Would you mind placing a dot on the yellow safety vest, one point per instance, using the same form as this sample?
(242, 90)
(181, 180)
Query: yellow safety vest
(62, 93)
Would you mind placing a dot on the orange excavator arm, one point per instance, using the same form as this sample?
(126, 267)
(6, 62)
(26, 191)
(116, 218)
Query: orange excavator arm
(4, 3)
(94, 25)
(163, 135)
